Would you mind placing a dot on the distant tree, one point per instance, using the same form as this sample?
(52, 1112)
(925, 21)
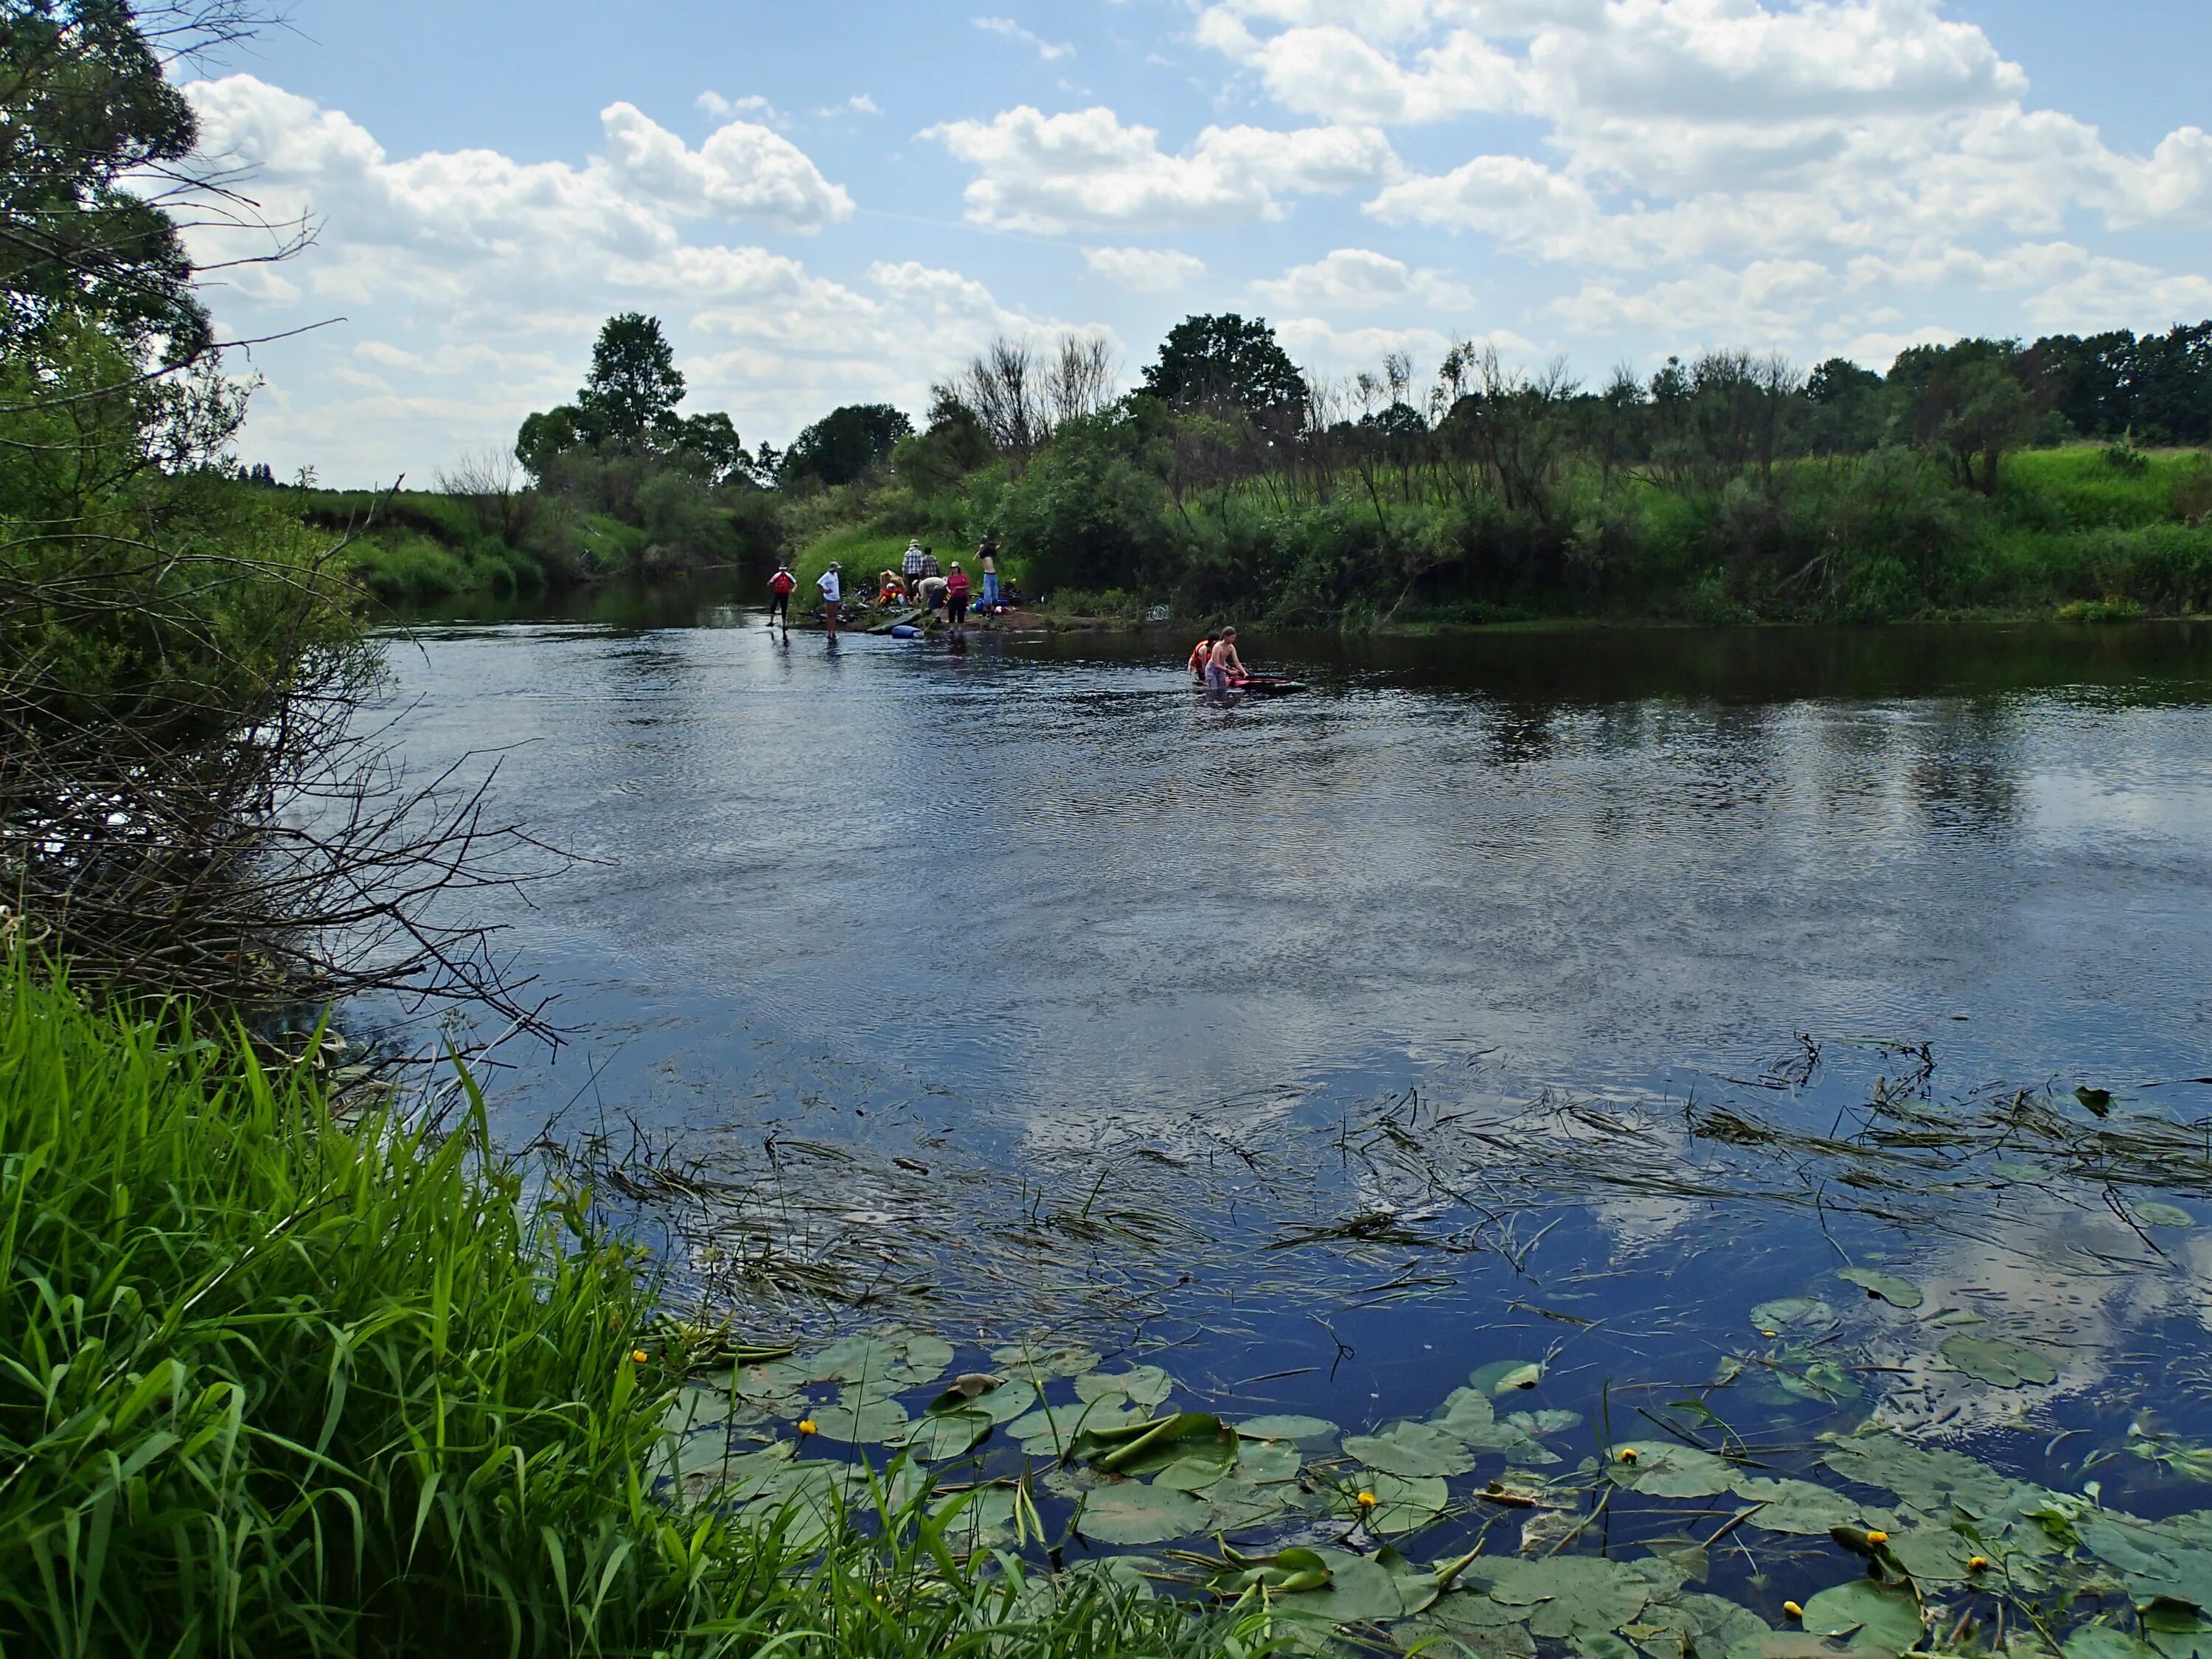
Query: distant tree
(634, 385)
(712, 443)
(846, 443)
(1966, 406)
(1218, 363)
(954, 446)
(1846, 409)
(546, 436)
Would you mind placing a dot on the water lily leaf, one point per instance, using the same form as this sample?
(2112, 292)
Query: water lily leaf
(1131, 1512)
(2103, 1642)
(1266, 1462)
(712, 1458)
(855, 1359)
(1508, 1376)
(927, 1357)
(1053, 1428)
(2008, 1169)
(1573, 1594)
(1887, 1615)
(1047, 1358)
(1797, 1507)
(1822, 1380)
(986, 1518)
(1142, 1385)
(861, 1420)
(1660, 1468)
(1288, 1572)
(1366, 1588)
(1465, 1410)
(1406, 1504)
(2000, 1364)
(1475, 1624)
(1542, 1423)
(1888, 1287)
(1145, 1448)
(2164, 1215)
(1235, 1504)
(1929, 1479)
(947, 1434)
(1192, 1474)
(1793, 1315)
(1412, 1449)
(1603, 1645)
(1299, 1431)
(1932, 1555)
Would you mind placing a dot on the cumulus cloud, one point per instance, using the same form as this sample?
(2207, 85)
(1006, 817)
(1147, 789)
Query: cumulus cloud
(1676, 137)
(475, 284)
(1085, 170)
(1143, 270)
(1357, 279)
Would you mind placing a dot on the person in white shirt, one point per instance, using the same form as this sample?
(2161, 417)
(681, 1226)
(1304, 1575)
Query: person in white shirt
(833, 594)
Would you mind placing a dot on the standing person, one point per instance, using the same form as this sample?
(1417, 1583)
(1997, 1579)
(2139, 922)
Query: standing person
(833, 595)
(956, 598)
(1223, 667)
(780, 586)
(1201, 655)
(910, 565)
(986, 560)
(929, 564)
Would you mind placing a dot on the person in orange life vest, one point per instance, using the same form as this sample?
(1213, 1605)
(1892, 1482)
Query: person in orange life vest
(779, 586)
(890, 590)
(1201, 655)
(956, 598)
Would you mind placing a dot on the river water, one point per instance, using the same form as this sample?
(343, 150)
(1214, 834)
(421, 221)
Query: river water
(1552, 996)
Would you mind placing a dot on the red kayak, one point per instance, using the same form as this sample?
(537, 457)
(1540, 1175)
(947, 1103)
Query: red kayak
(1261, 685)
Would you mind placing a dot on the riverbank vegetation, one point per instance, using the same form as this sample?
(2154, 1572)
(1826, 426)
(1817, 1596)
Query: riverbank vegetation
(273, 1384)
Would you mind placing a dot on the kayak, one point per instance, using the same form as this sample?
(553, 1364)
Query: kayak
(1263, 685)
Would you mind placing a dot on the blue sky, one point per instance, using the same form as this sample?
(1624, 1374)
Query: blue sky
(838, 202)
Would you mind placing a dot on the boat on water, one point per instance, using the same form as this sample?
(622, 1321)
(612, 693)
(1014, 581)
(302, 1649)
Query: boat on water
(1261, 685)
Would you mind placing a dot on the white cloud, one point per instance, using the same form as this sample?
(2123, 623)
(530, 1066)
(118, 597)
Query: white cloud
(1143, 270)
(475, 284)
(1050, 174)
(1006, 28)
(723, 109)
(1357, 279)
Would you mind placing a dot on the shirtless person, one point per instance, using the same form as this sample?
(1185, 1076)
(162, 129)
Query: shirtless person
(1224, 666)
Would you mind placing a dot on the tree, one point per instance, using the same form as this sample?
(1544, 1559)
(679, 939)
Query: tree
(1220, 364)
(1845, 407)
(634, 385)
(711, 442)
(1966, 406)
(846, 443)
(546, 436)
(90, 132)
(955, 445)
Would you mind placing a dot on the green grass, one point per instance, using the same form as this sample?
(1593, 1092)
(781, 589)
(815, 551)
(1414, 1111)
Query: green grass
(271, 1386)
(866, 554)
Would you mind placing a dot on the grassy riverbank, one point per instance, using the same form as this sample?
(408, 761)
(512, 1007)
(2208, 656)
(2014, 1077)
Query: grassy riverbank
(272, 1385)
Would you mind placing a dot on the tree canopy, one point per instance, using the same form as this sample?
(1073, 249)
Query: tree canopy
(1219, 363)
(634, 385)
(846, 443)
(84, 107)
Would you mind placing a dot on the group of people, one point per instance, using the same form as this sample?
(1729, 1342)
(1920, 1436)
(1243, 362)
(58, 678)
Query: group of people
(922, 580)
(1214, 663)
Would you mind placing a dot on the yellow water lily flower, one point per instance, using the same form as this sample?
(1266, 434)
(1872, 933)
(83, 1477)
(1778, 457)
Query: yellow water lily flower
(1877, 1536)
(639, 1357)
(1367, 1500)
(1628, 1454)
(1979, 1564)
(1793, 1609)
(807, 1425)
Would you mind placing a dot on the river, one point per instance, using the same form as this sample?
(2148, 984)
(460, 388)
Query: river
(1552, 997)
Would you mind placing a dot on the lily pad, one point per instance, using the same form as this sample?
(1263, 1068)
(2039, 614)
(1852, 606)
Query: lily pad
(1235, 1504)
(1266, 1462)
(860, 1420)
(1054, 1427)
(1572, 1596)
(2000, 1364)
(1131, 1512)
(2164, 1215)
(947, 1434)
(1412, 1449)
(1886, 1615)
(1297, 1431)
(1797, 1507)
(1793, 1315)
(1822, 1380)
(1366, 1589)
(1535, 1424)
(986, 1516)
(1403, 1504)
(1660, 1468)
(2013, 1170)
(1047, 1358)
(856, 1359)
(1147, 1447)
(1888, 1287)
(2103, 1642)
(1142, 1385)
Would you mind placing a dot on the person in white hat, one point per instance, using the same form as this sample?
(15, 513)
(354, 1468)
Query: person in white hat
(833, 594)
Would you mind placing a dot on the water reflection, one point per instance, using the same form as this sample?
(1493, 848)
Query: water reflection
(1024, 972)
